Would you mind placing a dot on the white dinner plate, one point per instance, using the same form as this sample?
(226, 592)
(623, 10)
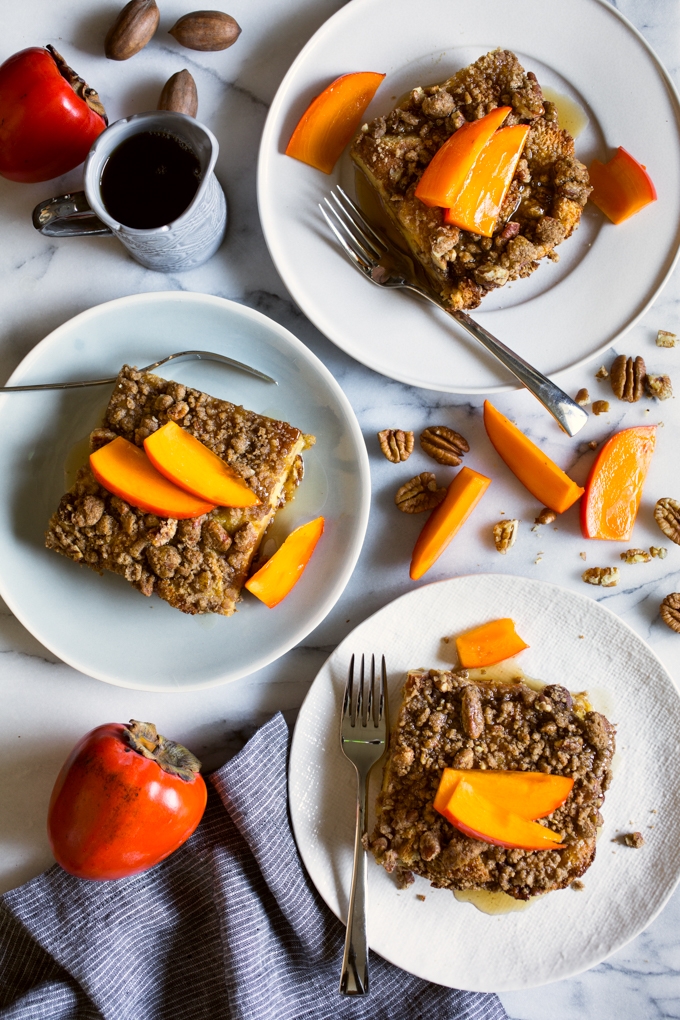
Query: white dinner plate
(576, 642)
(563, 315)
(102, 625)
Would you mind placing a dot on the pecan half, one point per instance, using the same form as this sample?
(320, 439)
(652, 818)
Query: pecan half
(608, 577)
(627, 376)
(666, 339)
(669, 610)
(396, 444)
(667, 516)
(636, 556)
(658, 386)
(444, 444)
(504, 534)
(420, 494)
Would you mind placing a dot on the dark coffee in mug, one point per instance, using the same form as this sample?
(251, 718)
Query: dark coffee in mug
(149, 180)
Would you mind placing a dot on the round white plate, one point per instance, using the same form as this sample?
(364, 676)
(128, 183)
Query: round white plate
(101, 625)
(576, 642)
(565, 313)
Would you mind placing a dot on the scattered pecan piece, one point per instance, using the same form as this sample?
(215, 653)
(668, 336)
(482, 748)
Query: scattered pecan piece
(669, 610)
(608, 577)
(667, 516)
(635, 556)
(546, 516)
(420, 494)
(582, 397)
(444, 444)
(659, 386)
(628, 378)
(504, 534)
(471, 712)
(659, 550)
(602, 373)
(666, 339)
(578, 885)
(634, 839)
(396, 444)
(600, 406)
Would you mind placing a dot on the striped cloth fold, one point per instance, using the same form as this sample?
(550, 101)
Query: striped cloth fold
(228, 928)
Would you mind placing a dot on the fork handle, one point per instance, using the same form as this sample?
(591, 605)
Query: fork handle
(354, 976)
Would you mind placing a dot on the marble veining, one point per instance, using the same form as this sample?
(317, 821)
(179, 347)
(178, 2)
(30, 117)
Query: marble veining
(46, 705)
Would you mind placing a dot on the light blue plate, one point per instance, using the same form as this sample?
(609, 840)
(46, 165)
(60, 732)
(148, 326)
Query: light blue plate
(101, 625)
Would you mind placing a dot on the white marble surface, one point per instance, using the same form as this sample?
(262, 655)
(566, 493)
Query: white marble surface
(46, 705)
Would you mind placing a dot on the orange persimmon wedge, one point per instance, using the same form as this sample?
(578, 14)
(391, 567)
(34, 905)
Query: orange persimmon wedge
(281, 573)
(331, 119)
(448, 170)
(530, 795)
(478, 204)
(491, 642)
(126, 471)
(535, 470)
(188, 463)
(462, 496)
(621, 187)
(476, 816)
(614, 486)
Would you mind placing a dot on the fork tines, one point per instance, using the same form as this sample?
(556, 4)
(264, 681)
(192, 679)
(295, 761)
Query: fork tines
(356, 236)
(363, 704)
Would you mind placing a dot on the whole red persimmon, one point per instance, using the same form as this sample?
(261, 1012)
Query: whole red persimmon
(125, 799)
(49, 117)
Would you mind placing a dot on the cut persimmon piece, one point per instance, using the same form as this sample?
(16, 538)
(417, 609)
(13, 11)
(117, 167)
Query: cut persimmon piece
(478, 204)
(331, 120)
(281, 573)
(462, 496)
(621, 187)
(188, 463)
(530, 795)
(614, 486)
(445, 175)
(535, 470)
(126, 471)
(489, 643)
(476, 816)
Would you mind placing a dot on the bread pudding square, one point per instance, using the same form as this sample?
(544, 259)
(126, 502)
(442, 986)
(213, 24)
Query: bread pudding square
(542, 207)
(198, 565)
(447, 720)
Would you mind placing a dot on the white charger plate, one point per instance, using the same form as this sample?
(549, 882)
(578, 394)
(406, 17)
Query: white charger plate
(101, 625)
(573, 641)
(565, 314)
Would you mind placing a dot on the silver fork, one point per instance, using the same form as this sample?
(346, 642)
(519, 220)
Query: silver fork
(385, 265)
(363, 740)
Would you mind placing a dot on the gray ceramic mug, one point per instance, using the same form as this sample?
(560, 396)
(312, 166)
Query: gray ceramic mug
(185, 243)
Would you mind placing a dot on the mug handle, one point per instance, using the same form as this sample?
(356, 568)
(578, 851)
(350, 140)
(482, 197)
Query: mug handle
(67, 216)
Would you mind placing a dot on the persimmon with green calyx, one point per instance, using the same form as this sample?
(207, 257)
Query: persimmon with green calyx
(489, 643)
(125, 799)
(530, 795)
(283, 570)
(331, 120)
(621, 187)
(479, 202)
(126, 471)
(462, 496)
(188, 463)
(445, 175)
(614, 486)
(535, 470)
(476, 816)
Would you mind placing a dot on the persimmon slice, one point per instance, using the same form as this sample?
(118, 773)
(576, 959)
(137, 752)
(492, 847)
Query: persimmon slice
(491, 642)
(614, 486)
(445, 175)
(462, 496)
(476, 816)
(188, 463)
(478, 204)
(126, 471)
(621, 187)
(331, 119)
(281, 573)
(530, 795)
(535, 470)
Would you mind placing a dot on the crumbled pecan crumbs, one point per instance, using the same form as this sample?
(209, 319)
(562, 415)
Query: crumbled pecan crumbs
(608, 577)
(546, 516)
(635, 556)
(634, 839)
(504, 534)
(419, 896)
(659, 550)
(582, 397)
(578, 885)
(396, 444)
(669, 610)
(659, 386)
(666, 339)
(667, 516)
(582, 555)
(444, 445)
(602, 372)
(600, 407)
(420, 494)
